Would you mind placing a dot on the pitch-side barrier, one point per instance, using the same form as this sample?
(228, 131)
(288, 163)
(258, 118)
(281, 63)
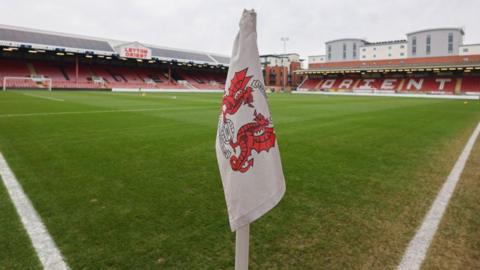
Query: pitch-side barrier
(377, 94)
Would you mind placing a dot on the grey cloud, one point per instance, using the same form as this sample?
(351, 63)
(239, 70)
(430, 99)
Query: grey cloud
(211, 25)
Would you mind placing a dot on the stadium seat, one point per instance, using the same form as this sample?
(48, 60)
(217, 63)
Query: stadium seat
(471, 84)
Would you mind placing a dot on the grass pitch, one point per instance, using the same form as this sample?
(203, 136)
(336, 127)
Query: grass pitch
(125, 181)
(457, 245)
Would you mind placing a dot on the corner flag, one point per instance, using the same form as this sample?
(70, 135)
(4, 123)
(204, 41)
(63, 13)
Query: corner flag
(246, 144)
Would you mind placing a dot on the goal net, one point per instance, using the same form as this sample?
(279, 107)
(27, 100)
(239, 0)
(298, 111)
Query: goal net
(34, 82)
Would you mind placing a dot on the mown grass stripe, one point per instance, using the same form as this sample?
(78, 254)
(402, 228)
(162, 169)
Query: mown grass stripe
(418, 246)
(90, 112)
(45, 247)
(49, 98)
(140, 190)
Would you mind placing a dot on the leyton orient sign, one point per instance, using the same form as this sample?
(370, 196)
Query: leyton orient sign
(135, 50)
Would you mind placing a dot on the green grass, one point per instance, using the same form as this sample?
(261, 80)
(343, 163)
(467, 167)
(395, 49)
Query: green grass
(457, 244)
(16, 251)
(141, 189)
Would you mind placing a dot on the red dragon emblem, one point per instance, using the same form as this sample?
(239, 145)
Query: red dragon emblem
(258, 135)
(239, 146)
(238, 93)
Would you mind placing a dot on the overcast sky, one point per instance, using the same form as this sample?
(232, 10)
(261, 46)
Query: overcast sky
(211, 25)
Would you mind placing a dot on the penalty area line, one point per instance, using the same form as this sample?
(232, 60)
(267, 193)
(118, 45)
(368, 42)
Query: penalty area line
(418, 246)
(46, 249)
(49, 98)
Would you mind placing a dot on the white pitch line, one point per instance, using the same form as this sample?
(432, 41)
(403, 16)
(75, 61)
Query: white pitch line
(418, 246)
(47, 251)
(49, 98)
(92, 112)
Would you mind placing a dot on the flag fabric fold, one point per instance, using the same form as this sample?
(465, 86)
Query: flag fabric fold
(246, 144)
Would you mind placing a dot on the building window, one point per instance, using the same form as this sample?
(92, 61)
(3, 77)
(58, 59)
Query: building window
(273, 78)
(344, 51)
(450, 42)
(465, 49)
(374, 56)
(414, 45)
(402, 46)
(389, 55)
(402, 54)
(363, 56)
(329, 49)
(354, 51)
(364, 49)
(429, 40)
(389, 47)
(374, 48)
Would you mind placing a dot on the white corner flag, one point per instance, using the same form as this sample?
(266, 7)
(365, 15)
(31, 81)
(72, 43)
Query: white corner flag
(246, 145)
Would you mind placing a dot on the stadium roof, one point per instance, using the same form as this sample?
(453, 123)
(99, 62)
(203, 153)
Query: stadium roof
(438, 29)
(388, 42)
(404, 64)
(346, 39)
(278, 55)
(46, 40)
(31, 37)
(467, 45)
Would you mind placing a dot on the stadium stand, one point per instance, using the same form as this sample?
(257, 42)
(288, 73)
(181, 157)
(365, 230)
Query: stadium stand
(79, 62)
(435, 75)
(471, 83)
(397, 65)
(428, 83)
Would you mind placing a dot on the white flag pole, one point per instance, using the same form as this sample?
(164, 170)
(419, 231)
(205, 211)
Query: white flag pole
(249, 191)
(241, 247)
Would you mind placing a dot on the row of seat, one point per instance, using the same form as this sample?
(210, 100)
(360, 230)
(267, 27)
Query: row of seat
(107, 76)
(437, 83)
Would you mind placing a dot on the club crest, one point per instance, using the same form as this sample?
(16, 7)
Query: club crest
(241, 145)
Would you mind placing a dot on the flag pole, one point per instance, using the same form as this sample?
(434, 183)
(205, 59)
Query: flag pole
(241, 247)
